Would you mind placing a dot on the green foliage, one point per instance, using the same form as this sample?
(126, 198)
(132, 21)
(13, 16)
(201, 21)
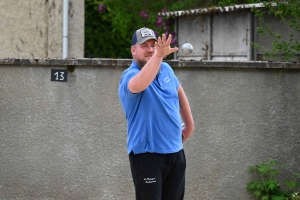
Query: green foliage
(288, 12)
(100, 39)
(109, 24)
(234, 2)
(268, 188)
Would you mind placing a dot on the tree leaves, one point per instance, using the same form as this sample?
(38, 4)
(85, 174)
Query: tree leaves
(288, 12)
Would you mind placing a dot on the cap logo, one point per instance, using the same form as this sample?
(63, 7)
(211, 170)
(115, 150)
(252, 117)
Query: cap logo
(146, 33)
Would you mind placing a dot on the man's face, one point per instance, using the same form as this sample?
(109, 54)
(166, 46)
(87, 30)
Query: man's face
(142, 53)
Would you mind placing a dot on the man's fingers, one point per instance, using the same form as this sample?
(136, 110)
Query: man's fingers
(163, 45)
(174, 49)
(170, 38)
(163, 37)
(158, 41)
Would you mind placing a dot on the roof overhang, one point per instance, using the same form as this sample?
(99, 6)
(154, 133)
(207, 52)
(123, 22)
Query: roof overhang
(212, 10)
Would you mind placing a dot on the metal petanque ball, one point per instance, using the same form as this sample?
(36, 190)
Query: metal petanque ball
(187, 48)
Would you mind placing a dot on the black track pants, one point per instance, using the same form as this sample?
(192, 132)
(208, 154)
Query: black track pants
(158, 176)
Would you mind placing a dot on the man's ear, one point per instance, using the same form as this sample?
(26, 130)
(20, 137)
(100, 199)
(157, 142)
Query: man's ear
(132, 49)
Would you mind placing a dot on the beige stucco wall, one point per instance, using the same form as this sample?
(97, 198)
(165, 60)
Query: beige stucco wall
(34, 28)
(67, 140)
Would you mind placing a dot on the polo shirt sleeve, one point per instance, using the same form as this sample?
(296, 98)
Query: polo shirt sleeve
(126, 77)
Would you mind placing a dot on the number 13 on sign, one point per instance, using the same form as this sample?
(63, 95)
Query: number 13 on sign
(59, 75)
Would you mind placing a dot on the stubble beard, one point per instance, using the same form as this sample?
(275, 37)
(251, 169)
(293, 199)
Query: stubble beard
(141, 63)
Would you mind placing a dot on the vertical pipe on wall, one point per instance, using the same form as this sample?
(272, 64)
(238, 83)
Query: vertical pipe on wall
(254, 37)
(250, 37)
(176, 32)
(210, 42)
(65, 28)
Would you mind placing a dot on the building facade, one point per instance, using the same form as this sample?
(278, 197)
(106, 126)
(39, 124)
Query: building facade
(34, 28)
(225, 33)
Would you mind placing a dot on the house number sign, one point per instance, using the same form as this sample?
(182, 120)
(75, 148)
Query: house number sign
(59, 75)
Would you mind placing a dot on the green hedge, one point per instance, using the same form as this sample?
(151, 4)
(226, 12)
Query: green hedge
(109, 24)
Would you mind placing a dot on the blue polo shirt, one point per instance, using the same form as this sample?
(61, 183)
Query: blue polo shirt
(153, 115)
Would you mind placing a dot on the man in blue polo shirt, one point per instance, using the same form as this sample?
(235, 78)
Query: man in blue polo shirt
(155, 105)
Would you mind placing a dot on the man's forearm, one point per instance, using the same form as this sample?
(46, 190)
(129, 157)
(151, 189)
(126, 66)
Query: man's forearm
(145, 77)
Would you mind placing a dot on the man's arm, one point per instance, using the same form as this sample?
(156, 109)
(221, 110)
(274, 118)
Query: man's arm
(186, 114)
(145, 77)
